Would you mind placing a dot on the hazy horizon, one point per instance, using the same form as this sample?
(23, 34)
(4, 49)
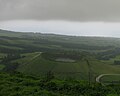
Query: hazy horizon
(104, 29)
(67, 17)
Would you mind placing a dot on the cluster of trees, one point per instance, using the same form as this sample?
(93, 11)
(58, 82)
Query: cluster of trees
(108, 54)
(70, 45)
(10, 66)
(18, 84)
(9, 50)
(11, 57)
(17, 45)
(116, 62)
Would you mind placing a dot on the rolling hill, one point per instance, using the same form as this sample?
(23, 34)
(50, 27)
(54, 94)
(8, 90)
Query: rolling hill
(23, 52)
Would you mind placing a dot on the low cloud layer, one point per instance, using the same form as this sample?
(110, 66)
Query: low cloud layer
(72, 10)
(65, 27)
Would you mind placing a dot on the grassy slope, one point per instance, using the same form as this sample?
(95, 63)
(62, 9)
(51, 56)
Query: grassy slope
(95, 41)
(1, 65)
(110, 78)
(40, 65)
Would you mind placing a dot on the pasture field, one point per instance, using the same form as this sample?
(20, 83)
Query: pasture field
(111, 78)
(39, 66)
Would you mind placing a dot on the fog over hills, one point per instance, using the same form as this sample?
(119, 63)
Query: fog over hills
(64, 27)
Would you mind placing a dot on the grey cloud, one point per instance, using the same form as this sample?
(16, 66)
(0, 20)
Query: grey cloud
(75, 10)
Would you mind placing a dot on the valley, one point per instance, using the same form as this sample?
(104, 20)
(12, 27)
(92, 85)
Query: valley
(37, 54)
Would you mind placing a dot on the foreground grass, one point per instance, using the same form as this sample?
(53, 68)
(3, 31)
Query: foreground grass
(18, 84)
(1, 67)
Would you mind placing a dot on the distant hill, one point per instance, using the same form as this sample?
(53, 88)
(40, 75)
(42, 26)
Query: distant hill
(53, 41)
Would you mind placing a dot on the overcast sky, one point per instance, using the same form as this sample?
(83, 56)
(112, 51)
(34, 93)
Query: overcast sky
(74, 17)
(76, 10)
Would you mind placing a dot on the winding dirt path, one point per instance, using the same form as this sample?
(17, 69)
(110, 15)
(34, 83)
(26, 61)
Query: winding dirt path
(33, 58)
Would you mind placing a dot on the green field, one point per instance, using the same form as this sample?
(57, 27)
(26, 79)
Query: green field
(24, 51)
(35, 64)
(111, 78)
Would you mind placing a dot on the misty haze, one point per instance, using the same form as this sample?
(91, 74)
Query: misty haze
(103, 29)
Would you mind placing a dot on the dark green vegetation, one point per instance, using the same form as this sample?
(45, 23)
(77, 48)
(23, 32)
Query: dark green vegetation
(18, 84)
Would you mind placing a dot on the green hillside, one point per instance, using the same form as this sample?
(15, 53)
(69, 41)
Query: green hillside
(52, 41)
(35, 64)
(35, 54)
